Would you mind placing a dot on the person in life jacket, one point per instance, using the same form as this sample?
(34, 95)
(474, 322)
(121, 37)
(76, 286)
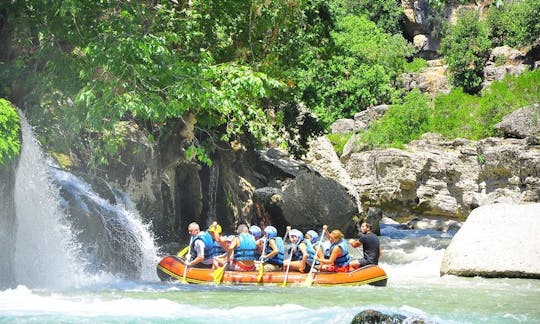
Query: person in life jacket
(273, 250)
(302, 252)
(242, 251)
(203, 248)
(336, 258)
(259, 240)
(221, 244)
(312, 236)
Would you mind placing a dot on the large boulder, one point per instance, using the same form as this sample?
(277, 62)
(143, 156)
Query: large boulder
(521, 123)
(498, 240)
(303, 196)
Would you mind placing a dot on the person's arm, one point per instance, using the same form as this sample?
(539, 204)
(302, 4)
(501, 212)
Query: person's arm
(303, 249)
(274, 248)
(336, 252)
(199, 248)
(234, 243)
(355, 243)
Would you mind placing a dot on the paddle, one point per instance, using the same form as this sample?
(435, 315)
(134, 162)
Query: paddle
(261, 262)
(187, 259)
(290, 257)
(218, 274)
(183, 252)
(309, 278)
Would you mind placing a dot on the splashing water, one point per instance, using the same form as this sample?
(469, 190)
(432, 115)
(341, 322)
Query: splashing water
(49, 252)
(45, 250)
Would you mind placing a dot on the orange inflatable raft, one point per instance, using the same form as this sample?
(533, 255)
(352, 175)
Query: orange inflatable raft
(171, 268)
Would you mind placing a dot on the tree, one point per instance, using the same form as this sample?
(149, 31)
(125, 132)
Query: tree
(466, 49)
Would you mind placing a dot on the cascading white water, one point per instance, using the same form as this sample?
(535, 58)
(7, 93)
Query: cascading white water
(212, 193)
(45, 252)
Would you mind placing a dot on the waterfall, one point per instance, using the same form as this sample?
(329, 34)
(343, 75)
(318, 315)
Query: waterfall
(45, 249)
(212, 193)
(66, 232)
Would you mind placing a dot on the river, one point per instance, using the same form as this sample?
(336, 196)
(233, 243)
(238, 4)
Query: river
(54, 288)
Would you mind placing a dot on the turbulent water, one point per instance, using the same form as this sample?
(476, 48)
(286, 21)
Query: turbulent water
(53, 288)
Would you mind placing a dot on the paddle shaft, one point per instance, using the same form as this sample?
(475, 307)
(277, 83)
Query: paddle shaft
(189, 255)
(310, 274)
(290, 257)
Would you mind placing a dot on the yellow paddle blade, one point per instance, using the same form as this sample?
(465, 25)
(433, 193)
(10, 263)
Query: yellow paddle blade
(261, 271)
(218, 275)
(309, 279)
(182, 252)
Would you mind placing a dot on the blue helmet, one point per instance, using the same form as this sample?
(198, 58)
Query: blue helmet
(255, 231)
(297, 233)
(270, 231)
(314, 236)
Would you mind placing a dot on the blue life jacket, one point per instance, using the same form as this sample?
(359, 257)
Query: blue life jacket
(209, 245)
(297, 254)
(310, 251)
(278, 258)
(342, 260)
(247, 248)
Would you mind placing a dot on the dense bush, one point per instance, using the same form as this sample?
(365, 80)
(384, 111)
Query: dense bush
(387, 14)
(514, 23)
(401, 123)
(466, 49)
(10, 143)
(360, 73)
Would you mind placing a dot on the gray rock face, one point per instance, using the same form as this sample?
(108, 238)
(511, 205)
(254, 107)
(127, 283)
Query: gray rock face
(432, 80)
(311, 201)
(522, 123)
(309, 197)
(433, 177)
(342, 126)
(502, 61)
(498, 240)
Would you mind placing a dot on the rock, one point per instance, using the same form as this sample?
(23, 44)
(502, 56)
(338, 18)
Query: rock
(438, 178)
(280, 161)
(370, 316)
(522, 123)
(364, 118)
(498, 72)
(311, 201)
(431, 80)
(436, 224)
(323, 159)
(497, 240)
(342, 126)
(507, 55)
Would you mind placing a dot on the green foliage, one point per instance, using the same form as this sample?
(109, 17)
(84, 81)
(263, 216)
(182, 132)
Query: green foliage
(10, 143)
(454, 115)
(514, 23)
(462, 115)
(416, 65)
(387, 14)
(466, 49)
(401, 123)
(133, 63)
(360, 73)
(438, 5)
(338, 141)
